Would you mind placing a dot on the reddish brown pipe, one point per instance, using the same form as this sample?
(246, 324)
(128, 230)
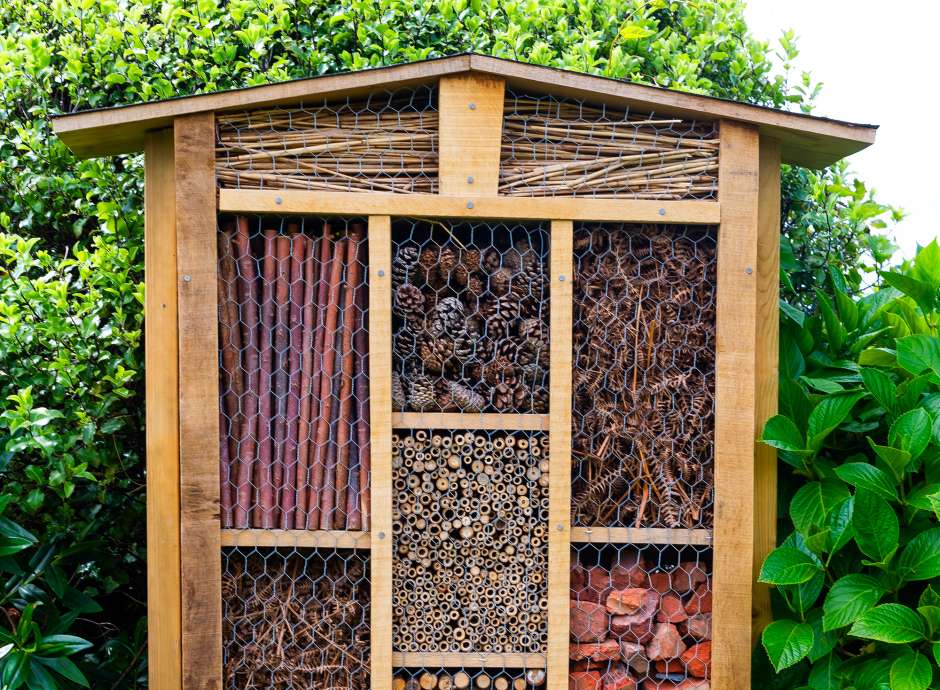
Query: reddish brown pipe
(321, 440)
(248, 429)
(282, 247)
(295, 347)
(231, 381)
(362, 389)
(264, 504)
(311, 276)
(353, 509)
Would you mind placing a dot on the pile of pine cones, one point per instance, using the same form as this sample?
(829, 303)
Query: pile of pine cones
(644, 376)
(470, 320)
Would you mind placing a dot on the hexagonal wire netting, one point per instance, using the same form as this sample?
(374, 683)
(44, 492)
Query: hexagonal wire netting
(460, 678)
(640, 617)
(470, 316)
(384, 142)
(294, 620)
(644, 376)
(566, 147)
(294, 389)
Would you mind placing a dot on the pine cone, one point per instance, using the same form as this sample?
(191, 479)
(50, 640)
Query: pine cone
(498, 370)
(405, 343)
(540, 401)
(409, 303)
(398, 393)
(502, 397)
(532, 330)
(421, 395)
(464, 398)
(476, 286)
(435, 352)
(448, 318)
(470, 260)
(500, 314)
(500, 281)
(404, 264)
(447, 261)
(464, 346)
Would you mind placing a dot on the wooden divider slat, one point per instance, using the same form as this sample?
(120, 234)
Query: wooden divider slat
(470, 420)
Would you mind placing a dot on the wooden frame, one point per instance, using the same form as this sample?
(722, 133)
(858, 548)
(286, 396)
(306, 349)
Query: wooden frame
(184, 535)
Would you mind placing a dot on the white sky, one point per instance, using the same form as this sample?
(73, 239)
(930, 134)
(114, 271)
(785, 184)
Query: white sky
(879, 64)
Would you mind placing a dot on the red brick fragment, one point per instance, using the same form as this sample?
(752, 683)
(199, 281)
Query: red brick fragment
(607, 650)
(666, 643)
(698, 658)
(701, 601)
(698, 627)
(589, 622)
(584, 680)
(671, 610)
(687, 577)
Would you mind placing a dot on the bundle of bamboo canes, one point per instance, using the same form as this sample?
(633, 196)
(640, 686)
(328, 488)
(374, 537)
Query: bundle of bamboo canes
(295, 621)
(566, 148)
(388, 146)
(471, 679)
(471, 534)
(644, 376)
(294, 379)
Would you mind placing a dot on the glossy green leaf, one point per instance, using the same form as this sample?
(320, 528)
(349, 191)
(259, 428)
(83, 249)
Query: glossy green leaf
(786, 642)
(869, 478)
(911, 671)
(780, 432)
(827, 415)
(876, 526)
(813, 502)
(891, 623)
(881, 387)
(786, 565)
(911, 432)
(920, 558)
(919, 352)
(848, 598)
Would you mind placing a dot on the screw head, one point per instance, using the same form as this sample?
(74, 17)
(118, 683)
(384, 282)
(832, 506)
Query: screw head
(469, 204)
(749, 270)
(278, 200)
(472, 106)
(470, 179)
(560, 527)
(561, 278)
(187, 278)
(381, 273)
(662, 212)
(381, 535)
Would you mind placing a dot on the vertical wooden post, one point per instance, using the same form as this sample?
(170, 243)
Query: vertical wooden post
(559, 492)
(380, 406)
(200, 541)
(734, 404)
(163, 470)
(470, 108)
(766, 365)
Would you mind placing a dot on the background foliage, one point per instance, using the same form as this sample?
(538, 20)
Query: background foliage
(71, 465)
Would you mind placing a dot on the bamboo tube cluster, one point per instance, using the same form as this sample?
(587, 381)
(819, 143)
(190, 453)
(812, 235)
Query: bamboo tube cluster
(480, 679)
(470, 318)
(387, 143)
(471, 541)
(294, 378)
(295, 621)
(566, 148)
(644, 376)
(639, 625)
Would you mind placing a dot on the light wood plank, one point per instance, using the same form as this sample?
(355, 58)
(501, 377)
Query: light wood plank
(766, 364)
(471, 124)
(734, 405)
(457, 420)
(431, 660)
(198, 402)
(640, 535)
(559, 490)
(163, 467)
(297, 538)
(380, 406)
(806, 140)
(439, 205)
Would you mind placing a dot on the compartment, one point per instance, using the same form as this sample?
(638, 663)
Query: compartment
(295, 619)
(470, 316)
(640, 617)
(385, 142)
(294, 389)
(470, 512)
(644, 375)
(459, 678)
(554, 146)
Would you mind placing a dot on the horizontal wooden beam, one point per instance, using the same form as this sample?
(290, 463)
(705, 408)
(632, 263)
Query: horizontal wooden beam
(443, 206)
(640, 535)
(457, 420)
(299, 538)
(466, 660)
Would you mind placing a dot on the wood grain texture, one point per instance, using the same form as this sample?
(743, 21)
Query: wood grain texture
(380, 404)
(470, 108)
(198, 402)
(766, 369)
(640, 535)
(161, 374)
(559, 490)
(460, 420)
(806, 140)
(734, 405)
(297, 538)
(493, 208)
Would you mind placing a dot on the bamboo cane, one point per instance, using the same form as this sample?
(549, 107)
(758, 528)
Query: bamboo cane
(281, 365)
(362, 391)
(264, 506)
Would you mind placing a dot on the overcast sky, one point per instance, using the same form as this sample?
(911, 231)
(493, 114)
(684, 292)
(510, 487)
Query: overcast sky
(879, 63)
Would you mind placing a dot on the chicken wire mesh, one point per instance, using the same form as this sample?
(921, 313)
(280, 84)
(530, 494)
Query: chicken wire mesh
(460, 678)
(385, 142)
(644, 376)
(294, 389)
(470, 538)
(566, 147)
(640, 617)
(295, 619)
(470, 316)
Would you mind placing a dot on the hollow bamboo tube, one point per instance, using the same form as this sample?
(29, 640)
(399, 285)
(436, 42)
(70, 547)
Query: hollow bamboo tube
(362, 388)
(248, 429)
(328, 494)
(310, 276)
(281, 365)
(264, 504)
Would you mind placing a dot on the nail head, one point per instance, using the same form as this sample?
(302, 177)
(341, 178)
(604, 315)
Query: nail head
(469, 204)
(472, 106)
(662, 212)
(561, 278)
(381, 535)
(381, 273)
(278, 200)
(187, 278)
(749, 270)
(470, 179)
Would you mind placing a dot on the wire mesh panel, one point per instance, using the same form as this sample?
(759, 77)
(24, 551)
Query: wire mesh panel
(385, 142)
(470, 316)
(294, 407)
(640, 618)
(294, 620)
(566, 147)
(470, 514)
(644, 376)
(459, 678)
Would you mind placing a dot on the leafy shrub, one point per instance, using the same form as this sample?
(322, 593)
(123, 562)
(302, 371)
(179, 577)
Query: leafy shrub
(859, 576)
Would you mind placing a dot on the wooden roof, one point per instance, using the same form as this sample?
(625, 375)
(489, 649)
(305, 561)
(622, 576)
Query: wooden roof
(805, 140)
